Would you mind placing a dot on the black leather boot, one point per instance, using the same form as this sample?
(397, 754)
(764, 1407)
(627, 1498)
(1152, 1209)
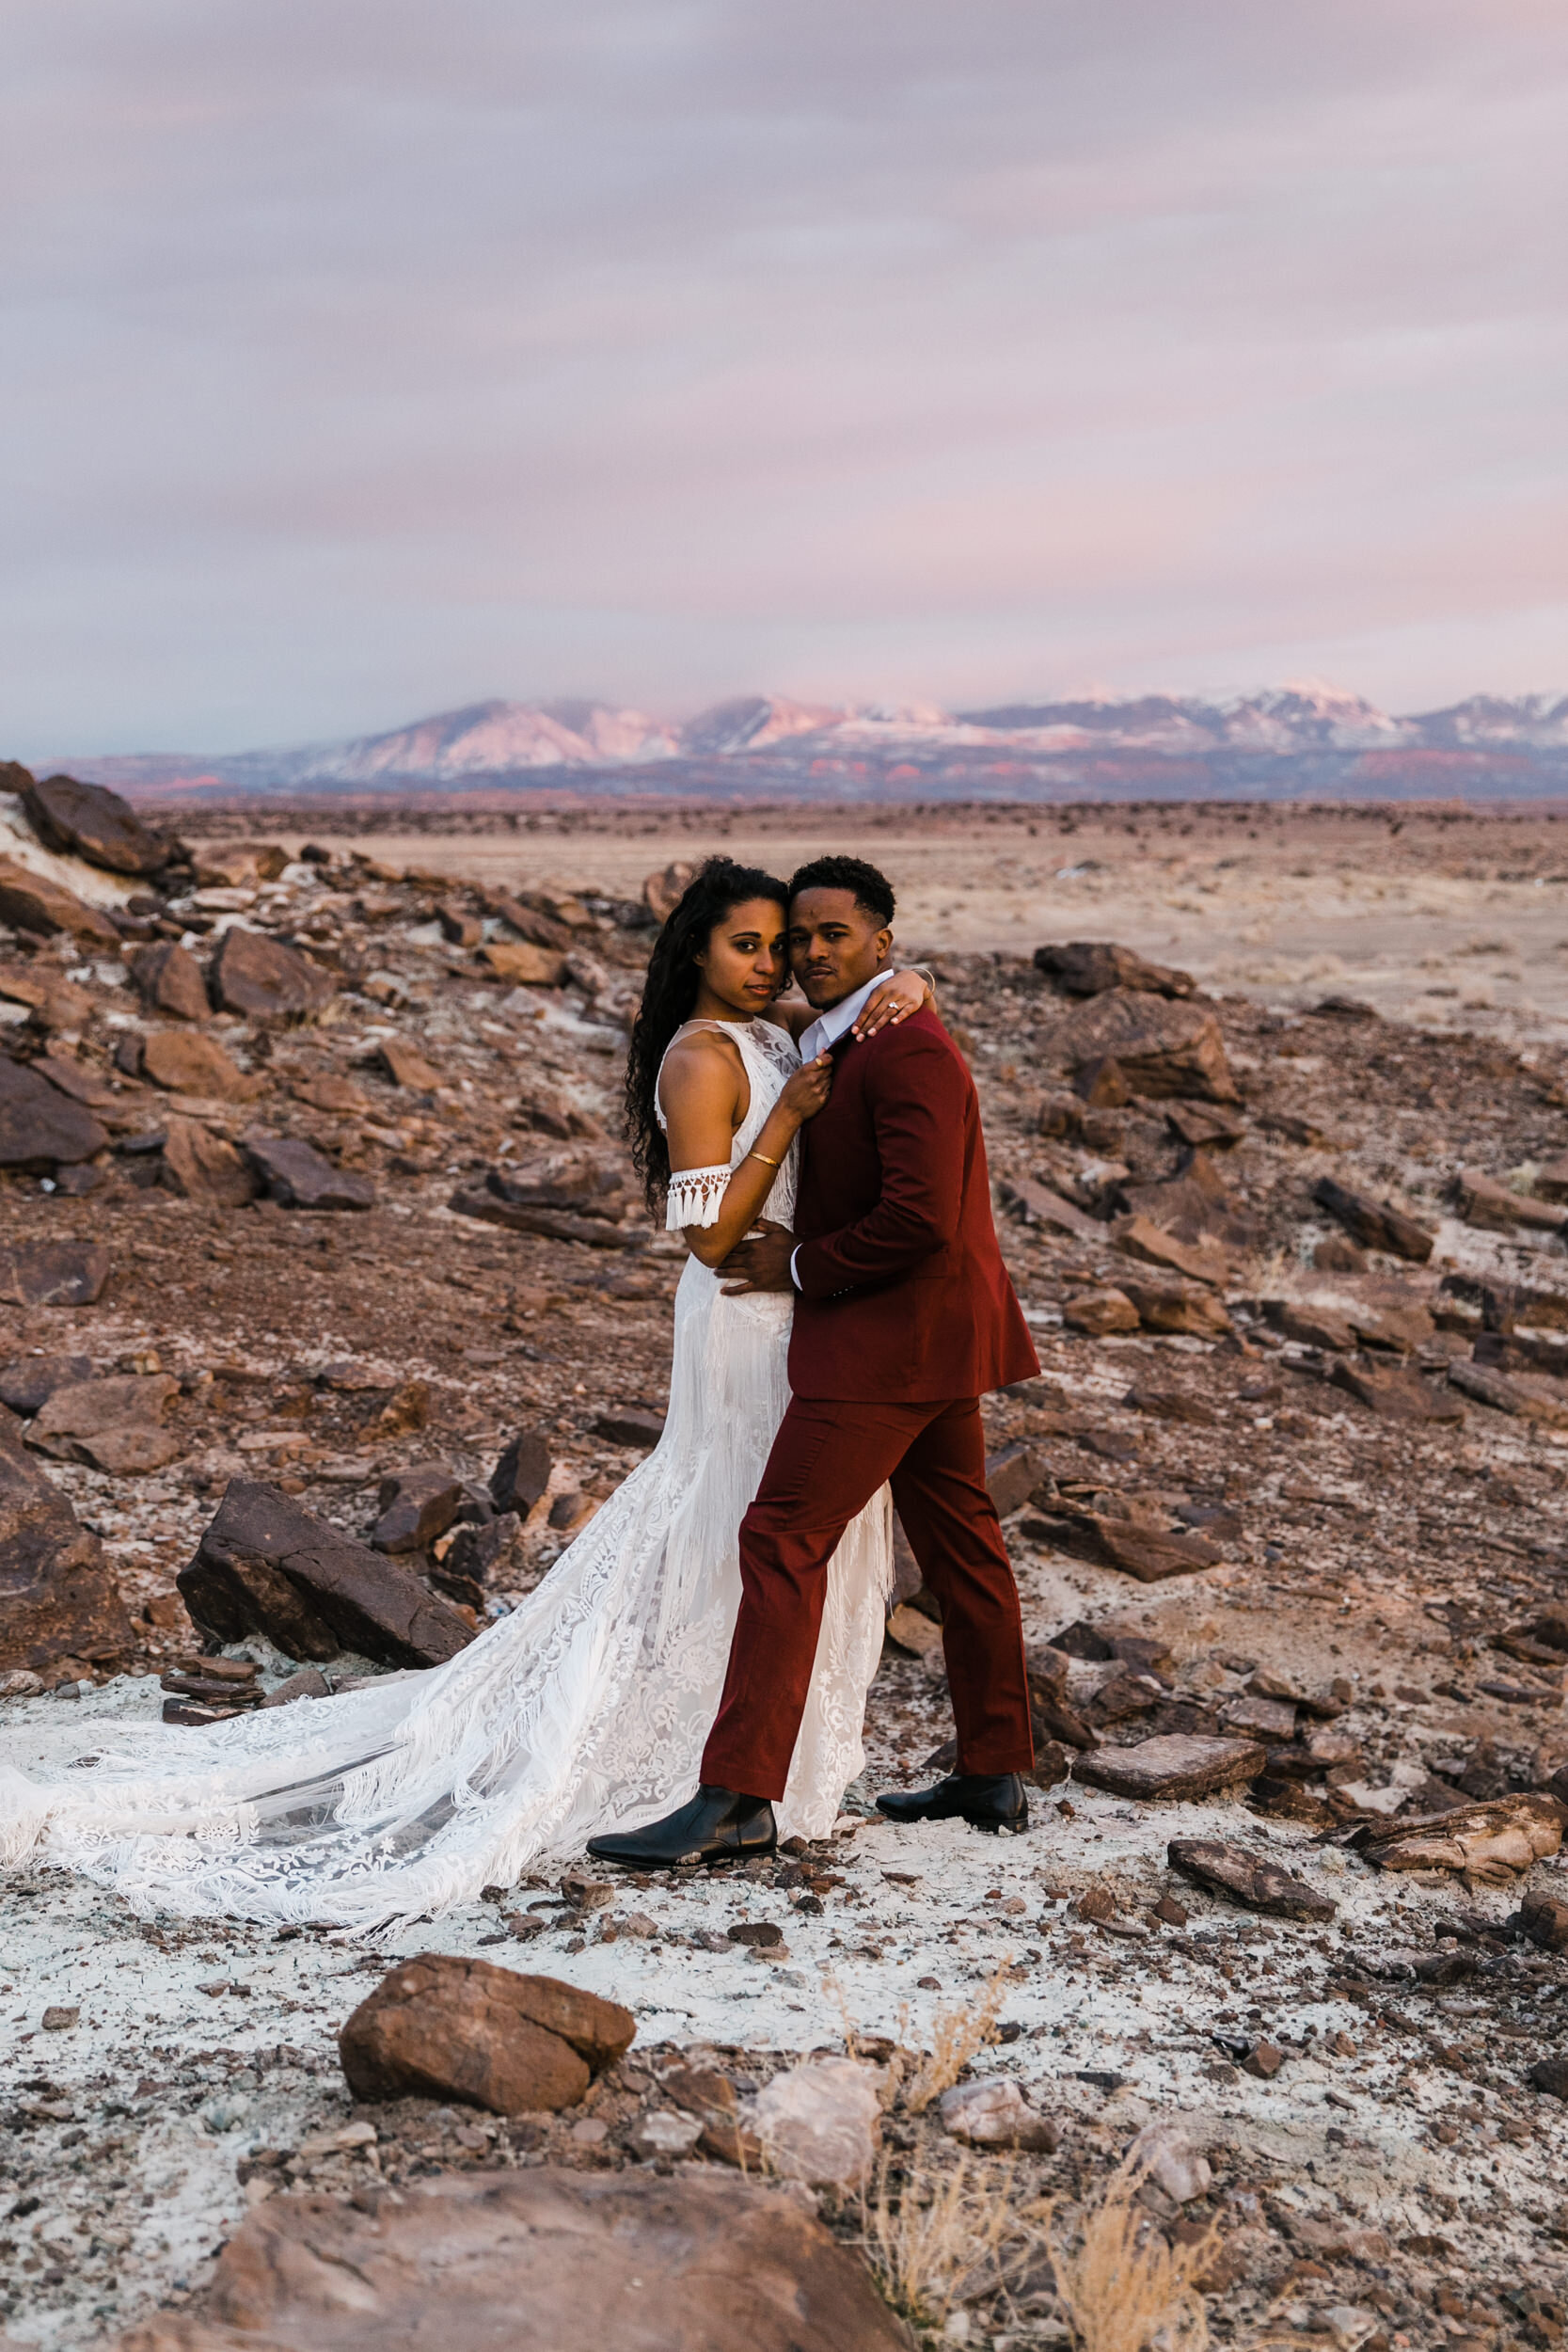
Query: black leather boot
(988, 1801)
(716, 1826)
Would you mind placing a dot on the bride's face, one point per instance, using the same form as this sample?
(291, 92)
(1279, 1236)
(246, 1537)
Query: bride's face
(744, 964)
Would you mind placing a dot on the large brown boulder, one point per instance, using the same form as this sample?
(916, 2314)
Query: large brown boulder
(40, 1127)
(520, 2262)
(57, 1598)
(171, 981)
(52, 1273)
(1161, 1047)
(266, 1565)
(255, 974)
(34, 903)
(442, 2026)
(1089, 967)
(95, 824)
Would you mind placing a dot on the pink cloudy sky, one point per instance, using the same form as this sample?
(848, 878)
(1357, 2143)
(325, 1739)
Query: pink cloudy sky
(368, 357)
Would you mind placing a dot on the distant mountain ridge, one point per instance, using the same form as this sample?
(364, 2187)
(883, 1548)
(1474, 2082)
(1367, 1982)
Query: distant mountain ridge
(1287, 742)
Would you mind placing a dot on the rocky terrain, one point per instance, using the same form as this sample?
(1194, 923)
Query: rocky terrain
(330, 1315)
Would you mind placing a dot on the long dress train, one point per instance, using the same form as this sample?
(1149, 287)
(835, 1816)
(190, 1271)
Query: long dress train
(585, 1708)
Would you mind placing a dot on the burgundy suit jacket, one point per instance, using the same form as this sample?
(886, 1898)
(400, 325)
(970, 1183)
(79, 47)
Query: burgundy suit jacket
(904, 1297)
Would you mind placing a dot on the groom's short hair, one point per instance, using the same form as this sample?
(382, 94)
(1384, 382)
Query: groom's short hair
(873, 890)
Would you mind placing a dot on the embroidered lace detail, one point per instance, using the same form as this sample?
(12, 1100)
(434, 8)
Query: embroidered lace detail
(696, 1197)
(585, 1708)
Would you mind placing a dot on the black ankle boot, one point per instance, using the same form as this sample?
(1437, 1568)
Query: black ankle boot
(988, 1801)
(718, 1825)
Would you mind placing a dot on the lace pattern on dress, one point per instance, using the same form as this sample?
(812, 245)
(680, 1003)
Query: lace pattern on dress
(696, 1196)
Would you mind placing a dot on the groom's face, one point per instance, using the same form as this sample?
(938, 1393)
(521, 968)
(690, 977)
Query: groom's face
(835, 946)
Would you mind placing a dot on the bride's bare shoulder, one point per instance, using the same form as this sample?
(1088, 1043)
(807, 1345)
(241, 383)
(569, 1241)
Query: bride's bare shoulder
(702, 1062)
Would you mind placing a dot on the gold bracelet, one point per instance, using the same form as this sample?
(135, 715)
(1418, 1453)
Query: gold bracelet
(763, 1157)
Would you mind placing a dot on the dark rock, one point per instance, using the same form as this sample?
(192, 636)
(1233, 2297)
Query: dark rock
(1160, 1046)
(476, 1552)
(298, 1176)
(52, 1273)
(1149, 1553)
(758, 1936)
(1203, 1127)
(1398, 1393)
(1375, 1224)
(1527, 1396)
(1313, 1326)
(1252, 1879)
(1176, 1308)
(186, 1061)
(1483, 1202)
(407, 1066)
(114, 1423)
(40, 1127)
(611, 2262)
(1039, 1205)
(522, 1474)
(1088, 967)
(1175, 1764)
(33, 904)
(415, 1506)
(1550, 2074)
(1101, 1084)
(630, 1426)
(551, 1224)
(1096, 1313)
(171, 981)
(591, 1184)
(445, 2027)
(266, 1565)
(260, 975)
(57, 1598)
(30, 1381)
(201, 1166)
(95, 824)
(1012, 1477)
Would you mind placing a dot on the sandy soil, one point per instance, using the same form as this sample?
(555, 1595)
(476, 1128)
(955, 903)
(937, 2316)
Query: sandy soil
(1448, 919)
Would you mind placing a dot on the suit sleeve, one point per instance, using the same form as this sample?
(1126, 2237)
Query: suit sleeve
(917, 1092)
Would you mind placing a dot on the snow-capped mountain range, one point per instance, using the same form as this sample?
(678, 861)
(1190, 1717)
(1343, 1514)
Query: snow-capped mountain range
(1293, 741)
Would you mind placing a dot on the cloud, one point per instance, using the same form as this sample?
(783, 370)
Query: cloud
(368, 359)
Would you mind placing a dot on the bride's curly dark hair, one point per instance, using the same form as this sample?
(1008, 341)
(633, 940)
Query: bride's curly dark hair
(668, 995)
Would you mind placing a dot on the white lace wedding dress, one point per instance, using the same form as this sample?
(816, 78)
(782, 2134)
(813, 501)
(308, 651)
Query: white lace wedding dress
(585, 1710)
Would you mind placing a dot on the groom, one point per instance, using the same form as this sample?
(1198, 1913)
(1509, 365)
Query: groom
(904, 1316)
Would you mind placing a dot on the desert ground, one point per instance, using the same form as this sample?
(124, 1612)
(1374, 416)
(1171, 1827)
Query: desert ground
(1290, 1485)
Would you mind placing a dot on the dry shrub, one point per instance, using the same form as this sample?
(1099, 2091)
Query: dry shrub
(941, 2234)
(956, 2034)
(1122, 2288)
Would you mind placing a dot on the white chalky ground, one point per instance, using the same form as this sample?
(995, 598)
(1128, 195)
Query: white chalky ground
(196, 2045)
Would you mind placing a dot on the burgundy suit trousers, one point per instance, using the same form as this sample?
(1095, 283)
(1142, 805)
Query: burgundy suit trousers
(828, 1460)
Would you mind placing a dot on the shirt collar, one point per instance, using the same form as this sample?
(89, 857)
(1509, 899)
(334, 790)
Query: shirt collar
(839, 1019)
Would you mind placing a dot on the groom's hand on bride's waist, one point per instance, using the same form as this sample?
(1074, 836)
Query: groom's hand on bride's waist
(761, 1262)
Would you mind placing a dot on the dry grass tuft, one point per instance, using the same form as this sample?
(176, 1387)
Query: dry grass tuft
(938, 2235)
(956, 2034)
(1121, 2287)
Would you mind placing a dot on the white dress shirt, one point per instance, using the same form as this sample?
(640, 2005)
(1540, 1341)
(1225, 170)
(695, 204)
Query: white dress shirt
(825, 1030)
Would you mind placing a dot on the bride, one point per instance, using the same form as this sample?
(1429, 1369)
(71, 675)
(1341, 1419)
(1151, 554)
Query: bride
(586, 1707)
